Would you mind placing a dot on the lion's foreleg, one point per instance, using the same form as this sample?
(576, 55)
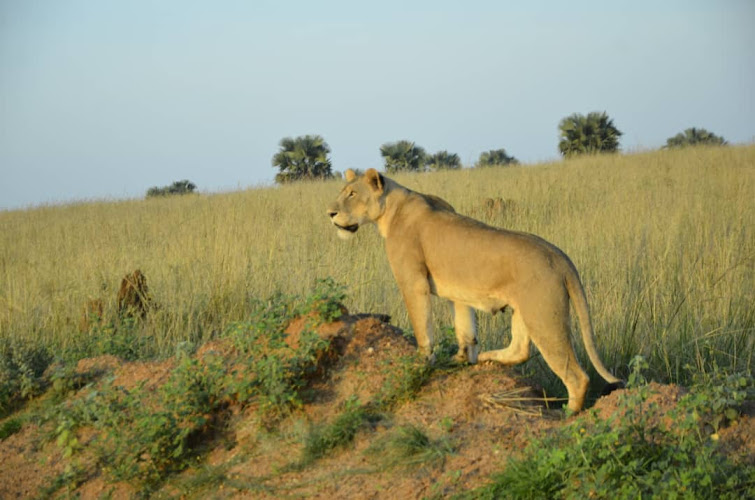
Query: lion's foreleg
(465, 324)
(417, 300)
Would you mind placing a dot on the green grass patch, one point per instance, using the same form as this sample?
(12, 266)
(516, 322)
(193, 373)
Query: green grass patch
(322, 439)
(409, 446)
(10, 427)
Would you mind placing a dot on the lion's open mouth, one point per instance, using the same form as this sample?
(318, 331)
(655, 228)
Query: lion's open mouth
(352, 228)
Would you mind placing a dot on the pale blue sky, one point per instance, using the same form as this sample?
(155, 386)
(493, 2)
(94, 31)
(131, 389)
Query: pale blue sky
(104, 99)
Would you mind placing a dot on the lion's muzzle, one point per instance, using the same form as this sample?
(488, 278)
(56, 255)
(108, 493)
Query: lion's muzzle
(344, 231)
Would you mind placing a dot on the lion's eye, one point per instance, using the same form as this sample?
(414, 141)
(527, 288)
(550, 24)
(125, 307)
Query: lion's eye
(352, 194)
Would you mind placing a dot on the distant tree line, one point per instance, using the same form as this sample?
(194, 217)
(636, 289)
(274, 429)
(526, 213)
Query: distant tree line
(306, 157)
(178, 187)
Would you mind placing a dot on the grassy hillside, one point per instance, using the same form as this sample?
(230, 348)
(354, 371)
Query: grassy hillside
(664, 242)
(260, 386)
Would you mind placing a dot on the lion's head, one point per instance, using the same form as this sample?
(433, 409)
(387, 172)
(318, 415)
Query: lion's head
(359, 202)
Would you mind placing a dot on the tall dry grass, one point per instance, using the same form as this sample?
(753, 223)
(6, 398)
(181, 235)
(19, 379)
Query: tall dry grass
(664, 242)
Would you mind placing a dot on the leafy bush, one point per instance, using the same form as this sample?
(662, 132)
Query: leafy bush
(280, 373)
(634, 456)
(21, 367)
(326, 300)
(277, 372)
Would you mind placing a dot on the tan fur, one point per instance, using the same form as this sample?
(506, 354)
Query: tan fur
(433, 250)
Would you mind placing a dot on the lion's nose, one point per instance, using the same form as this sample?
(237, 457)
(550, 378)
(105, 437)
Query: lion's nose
(332, 213)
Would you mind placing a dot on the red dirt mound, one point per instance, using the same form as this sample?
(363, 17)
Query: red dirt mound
(477, 411)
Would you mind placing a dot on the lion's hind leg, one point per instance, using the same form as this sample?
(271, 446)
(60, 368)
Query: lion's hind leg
(518, 350)
(552, 340)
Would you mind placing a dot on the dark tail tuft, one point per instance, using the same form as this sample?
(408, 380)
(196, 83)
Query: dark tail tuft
(609, 388)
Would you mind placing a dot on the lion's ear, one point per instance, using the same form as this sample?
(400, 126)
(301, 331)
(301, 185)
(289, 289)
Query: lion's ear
(374, 179)
(350, 175)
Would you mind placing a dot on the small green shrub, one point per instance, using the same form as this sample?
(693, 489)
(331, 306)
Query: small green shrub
(270, 316)
(326, 300)
(22, 365)
(718, 397)
(64, 379)
(277, 373)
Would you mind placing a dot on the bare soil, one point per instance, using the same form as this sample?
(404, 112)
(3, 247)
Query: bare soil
(464, 406)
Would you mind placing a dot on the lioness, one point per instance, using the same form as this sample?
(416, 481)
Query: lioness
(432, 249)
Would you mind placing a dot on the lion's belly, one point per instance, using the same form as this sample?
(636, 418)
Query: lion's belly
(483, 300)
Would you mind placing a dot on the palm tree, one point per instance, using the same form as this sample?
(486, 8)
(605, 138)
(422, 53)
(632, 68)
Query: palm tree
(443, 160)
(305, 157)
(693, 137)
(402, 156)
(594, 133)
(496, 157)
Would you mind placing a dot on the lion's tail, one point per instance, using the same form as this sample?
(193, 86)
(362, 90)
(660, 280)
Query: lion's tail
(578, 298)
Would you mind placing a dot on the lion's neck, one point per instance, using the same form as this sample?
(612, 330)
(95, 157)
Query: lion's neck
(395, 197)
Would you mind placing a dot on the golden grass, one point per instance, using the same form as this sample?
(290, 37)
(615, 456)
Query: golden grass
(664, 242)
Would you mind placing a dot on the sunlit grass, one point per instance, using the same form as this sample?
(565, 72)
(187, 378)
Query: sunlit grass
(664, 242)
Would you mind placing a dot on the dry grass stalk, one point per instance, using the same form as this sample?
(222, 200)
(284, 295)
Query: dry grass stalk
(514, 400)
